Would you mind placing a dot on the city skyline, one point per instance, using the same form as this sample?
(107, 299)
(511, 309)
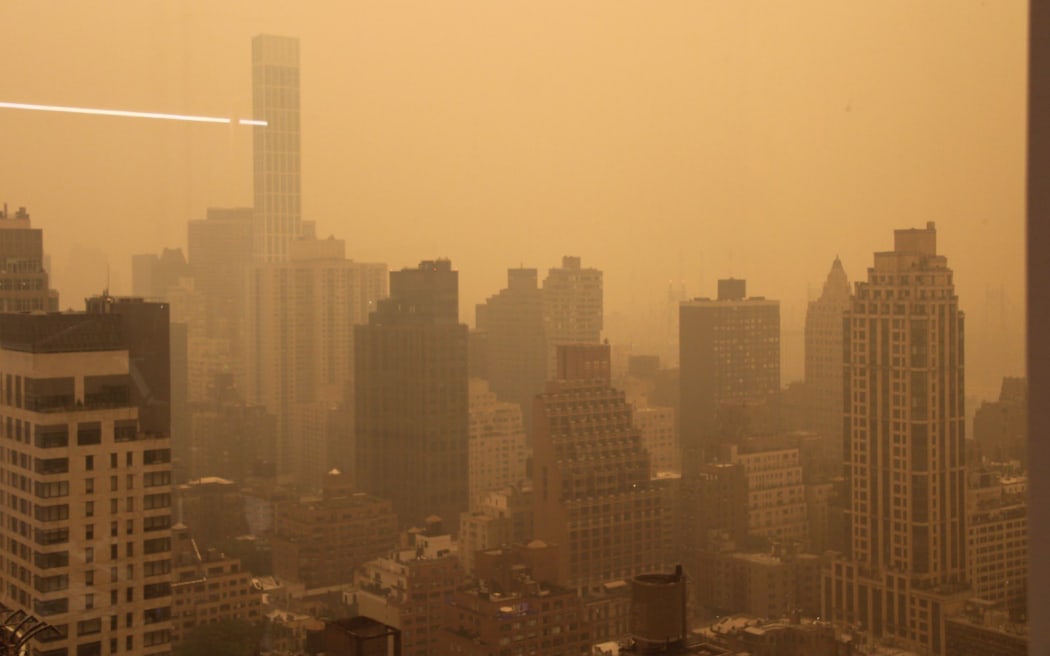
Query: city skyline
(677, 222)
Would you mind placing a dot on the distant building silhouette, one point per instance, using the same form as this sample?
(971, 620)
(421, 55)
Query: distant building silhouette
(301, 314)
(1001, 427)
(24, 283)
(573, 307)
(411, 404)
(276, 146)
(515, 339)
(730, 353)
(905, 458)
(824, 335)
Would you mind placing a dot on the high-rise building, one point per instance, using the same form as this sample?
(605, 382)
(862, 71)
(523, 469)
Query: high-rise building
(1001, 427)
(572, 307)
(824, 361)
(593, 492)
(152, 275)
(23, 278)
(515, 338)
(905, 458)
(275, 99)
(730, 353)
(219, 254)
(86, 483)
(301, 314)
(411, 407)
(497, 448)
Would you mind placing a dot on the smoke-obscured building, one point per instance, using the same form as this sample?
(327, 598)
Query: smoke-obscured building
(24, 283)
(411, 396)
(573, 307)
(824, 318)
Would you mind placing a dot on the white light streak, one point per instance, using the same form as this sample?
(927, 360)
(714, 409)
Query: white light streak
(129, 114)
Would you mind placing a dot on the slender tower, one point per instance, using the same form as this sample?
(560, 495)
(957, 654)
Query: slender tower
(275, 99)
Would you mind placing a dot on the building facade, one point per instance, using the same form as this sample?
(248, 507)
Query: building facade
(86, 489)
(276, 146)
(411, 408)
(593, 491)
(573, 307)
(497, 449)
(905, 458)
(24, 283)
(824, 361)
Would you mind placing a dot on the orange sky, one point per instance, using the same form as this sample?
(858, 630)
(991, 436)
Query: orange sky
(682, 140)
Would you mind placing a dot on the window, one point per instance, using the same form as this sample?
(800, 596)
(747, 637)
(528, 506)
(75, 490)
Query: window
(51, 490)
(51, 560)
(52, 536)
(129, 458)
(89, 463)
(125, 430)
(151, 501)
(112, 483)
(113, 460)
(89, 508)
(88, 627)
(89, 555)
(89, 486)
(52, 437)
(89, 577)
(89, 433)
(153, 479)
(55, 513)
(51, 583)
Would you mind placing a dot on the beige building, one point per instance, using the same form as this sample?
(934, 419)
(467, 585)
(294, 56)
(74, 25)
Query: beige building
(573, 308)
(497, 451)
(997, 541)
(85, 492)
(660, 436)
(408, 590)
(906, 460)
(299, 348)
(776, 496)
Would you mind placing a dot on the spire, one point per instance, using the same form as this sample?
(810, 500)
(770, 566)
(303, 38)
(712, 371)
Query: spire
(836, 285)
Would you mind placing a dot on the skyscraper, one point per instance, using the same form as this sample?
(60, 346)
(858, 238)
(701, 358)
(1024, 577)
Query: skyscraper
(86, 485)
(410, 394)
(515, 339)
(219, 253)
(299, 346)
(572, 307)
(824, 361)
(904, 409)
(730, 353)
(23, 279)
(593, 492)
(275, 99)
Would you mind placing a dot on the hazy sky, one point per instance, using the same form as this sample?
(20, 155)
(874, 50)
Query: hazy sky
(673, 140)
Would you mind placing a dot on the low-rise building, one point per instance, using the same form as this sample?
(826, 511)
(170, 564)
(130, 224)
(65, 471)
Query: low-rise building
(208, 587)
(320, 542)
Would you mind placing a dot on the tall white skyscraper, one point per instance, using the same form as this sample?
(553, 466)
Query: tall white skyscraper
(275, 99)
